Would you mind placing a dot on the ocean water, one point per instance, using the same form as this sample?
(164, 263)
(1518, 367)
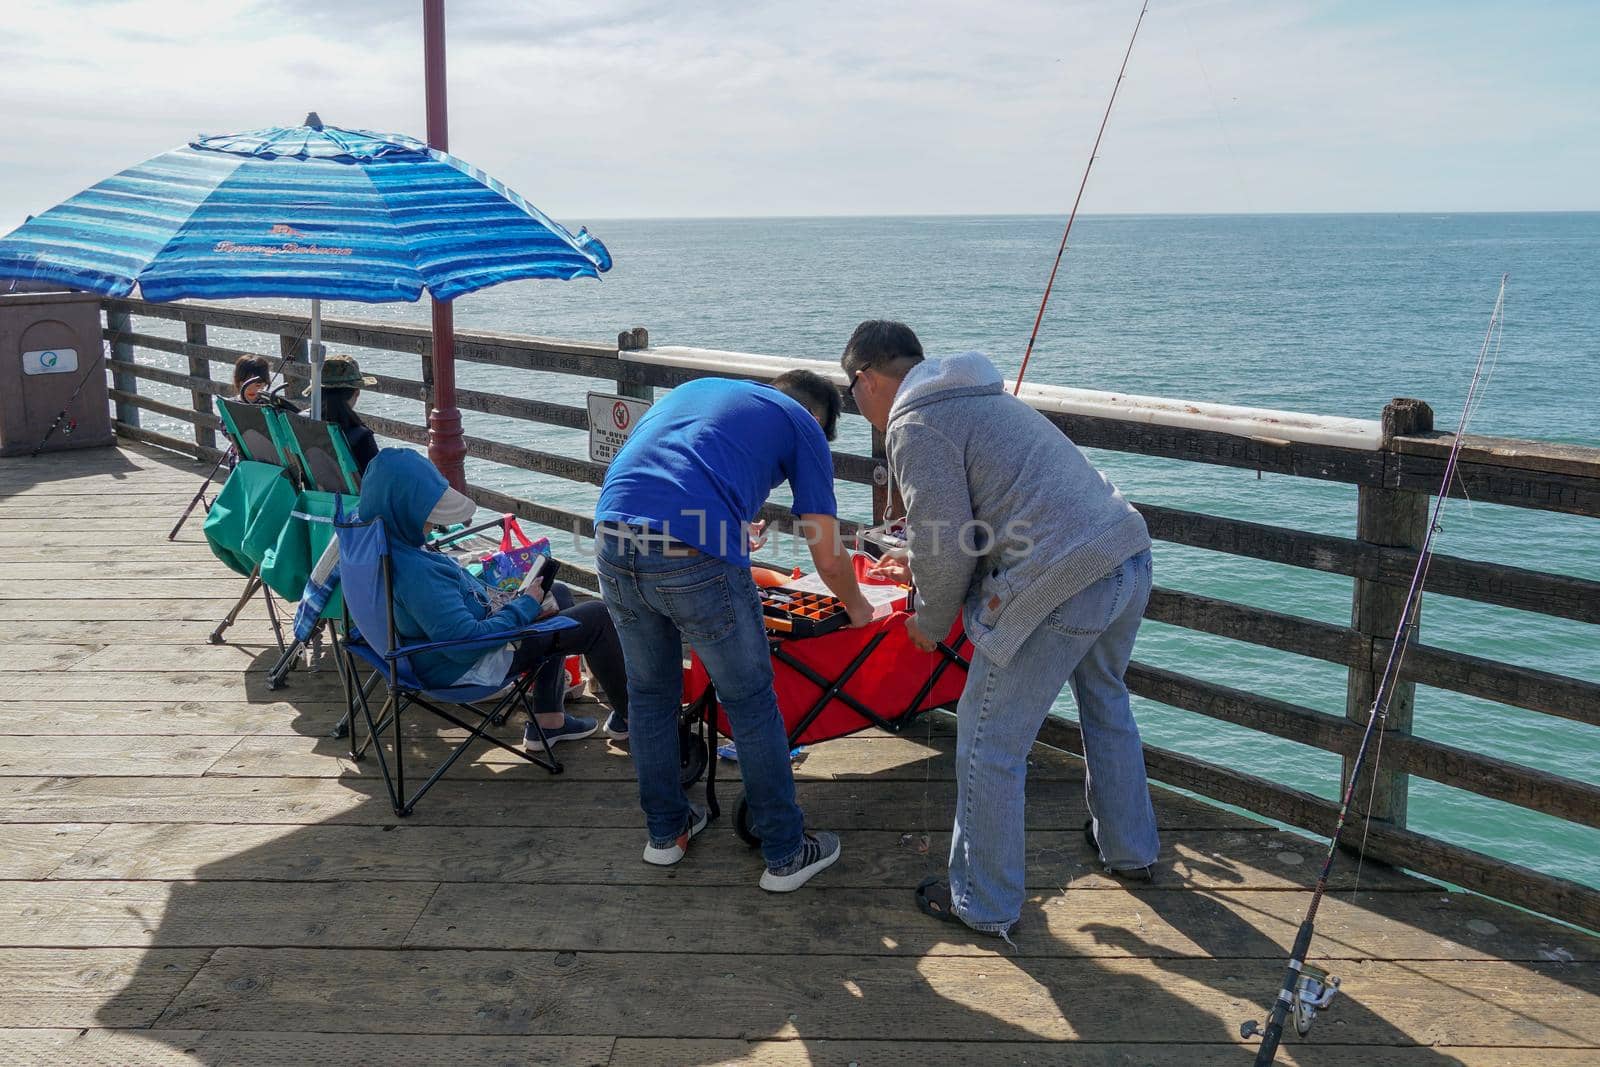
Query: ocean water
(1329, 314)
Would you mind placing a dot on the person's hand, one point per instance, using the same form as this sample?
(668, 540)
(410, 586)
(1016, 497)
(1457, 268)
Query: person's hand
(860, 611)
(920, 639)
(756, 534)
(890, 569)
(547, 603)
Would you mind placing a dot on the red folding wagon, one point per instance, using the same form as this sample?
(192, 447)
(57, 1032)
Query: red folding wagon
(831, 681)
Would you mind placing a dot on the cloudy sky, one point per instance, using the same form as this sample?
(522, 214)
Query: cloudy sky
(635, 108)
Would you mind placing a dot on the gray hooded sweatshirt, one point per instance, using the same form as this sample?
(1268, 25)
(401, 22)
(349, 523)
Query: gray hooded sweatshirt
(1005, 515)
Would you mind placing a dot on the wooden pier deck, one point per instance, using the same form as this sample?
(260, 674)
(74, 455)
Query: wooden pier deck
(191, 871)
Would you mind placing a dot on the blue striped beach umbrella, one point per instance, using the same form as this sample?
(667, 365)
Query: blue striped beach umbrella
(301, 211)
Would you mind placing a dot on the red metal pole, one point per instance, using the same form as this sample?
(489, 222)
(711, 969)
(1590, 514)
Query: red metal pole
(446, 448)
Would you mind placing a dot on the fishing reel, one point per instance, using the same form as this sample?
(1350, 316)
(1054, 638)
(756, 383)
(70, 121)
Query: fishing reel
(1314, 991)
(885, 539)
(64, 422)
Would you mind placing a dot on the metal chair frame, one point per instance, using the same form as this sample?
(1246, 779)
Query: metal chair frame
(401, 697)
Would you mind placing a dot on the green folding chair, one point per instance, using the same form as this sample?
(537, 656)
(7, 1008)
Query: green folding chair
(320, 450)
(327, 470)
(247, 518)
(253, 431)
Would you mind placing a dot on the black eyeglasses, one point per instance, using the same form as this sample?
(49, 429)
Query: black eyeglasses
(854, 378)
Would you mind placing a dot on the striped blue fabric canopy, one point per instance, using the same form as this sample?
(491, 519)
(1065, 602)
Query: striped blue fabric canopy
(302, 211)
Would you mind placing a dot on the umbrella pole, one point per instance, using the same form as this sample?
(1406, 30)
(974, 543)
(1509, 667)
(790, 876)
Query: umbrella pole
(446, 448)
(316, 358)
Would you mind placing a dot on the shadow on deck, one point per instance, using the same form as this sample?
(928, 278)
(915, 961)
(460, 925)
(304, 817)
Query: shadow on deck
(194, 871)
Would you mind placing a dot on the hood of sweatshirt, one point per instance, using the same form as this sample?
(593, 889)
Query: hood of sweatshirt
(933, 380)
(401, 487)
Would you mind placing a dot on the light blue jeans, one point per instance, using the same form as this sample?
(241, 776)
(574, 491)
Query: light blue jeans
(1086, 641)
(659, 601)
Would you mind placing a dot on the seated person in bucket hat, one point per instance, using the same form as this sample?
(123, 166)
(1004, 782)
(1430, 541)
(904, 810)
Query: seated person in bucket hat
(436, 600)
(341, 387)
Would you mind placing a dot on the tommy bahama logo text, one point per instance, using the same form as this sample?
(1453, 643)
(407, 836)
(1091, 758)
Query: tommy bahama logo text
(288, 248)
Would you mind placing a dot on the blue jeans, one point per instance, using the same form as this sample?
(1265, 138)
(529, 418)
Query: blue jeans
(594, 638)
(658, 601)
(1086, 641)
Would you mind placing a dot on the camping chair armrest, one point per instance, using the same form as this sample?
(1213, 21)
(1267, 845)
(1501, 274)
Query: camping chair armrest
(445, 540)
(543, 626)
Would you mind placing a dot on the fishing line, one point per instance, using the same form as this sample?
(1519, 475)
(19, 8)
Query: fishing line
(1477, 390)
(1306, 990)
(1094, 154)
(1222, 128)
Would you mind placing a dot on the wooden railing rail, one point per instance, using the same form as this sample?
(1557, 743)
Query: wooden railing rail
(1550, 594)
(1395, 474)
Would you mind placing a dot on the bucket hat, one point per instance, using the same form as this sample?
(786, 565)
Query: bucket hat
(343, 372)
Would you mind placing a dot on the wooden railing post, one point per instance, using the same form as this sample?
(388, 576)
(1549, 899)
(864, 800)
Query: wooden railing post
(294, 348)
(194, 333)
(121, 322)
(1390, 518)
(634, 340)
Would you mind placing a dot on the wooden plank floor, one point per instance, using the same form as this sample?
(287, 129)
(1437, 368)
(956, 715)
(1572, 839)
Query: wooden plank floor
(193, 871)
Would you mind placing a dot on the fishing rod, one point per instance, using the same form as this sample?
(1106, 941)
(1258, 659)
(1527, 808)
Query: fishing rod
(1308, 989)
(61, 416)
(1094, 153)
(223, 460)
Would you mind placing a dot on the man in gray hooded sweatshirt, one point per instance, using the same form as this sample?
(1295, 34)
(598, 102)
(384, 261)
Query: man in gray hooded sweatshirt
(1009, 524)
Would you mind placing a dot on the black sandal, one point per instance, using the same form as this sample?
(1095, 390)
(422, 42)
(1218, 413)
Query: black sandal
(1127, 874)
(933, 898)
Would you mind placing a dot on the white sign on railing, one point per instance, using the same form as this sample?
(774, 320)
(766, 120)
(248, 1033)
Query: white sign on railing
(50, 361)
(611, 420)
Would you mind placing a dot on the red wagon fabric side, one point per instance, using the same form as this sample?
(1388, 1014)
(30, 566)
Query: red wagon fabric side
(886, 682)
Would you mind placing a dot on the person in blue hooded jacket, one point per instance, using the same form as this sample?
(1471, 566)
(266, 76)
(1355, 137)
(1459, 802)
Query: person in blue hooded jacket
(436, 600)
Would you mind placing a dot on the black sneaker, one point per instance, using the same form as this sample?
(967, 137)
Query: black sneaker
(616, 727)
(819, 851)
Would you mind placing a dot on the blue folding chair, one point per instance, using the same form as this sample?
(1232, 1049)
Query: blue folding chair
(367, 585)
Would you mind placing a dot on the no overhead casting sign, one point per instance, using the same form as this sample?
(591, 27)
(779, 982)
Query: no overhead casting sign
(611, 420)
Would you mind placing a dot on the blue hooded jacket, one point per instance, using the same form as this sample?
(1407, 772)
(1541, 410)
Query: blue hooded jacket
(434, 599)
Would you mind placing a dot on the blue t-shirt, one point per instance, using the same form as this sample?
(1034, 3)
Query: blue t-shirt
(702, 460)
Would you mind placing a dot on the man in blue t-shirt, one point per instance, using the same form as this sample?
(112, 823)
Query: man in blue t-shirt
(674, 536)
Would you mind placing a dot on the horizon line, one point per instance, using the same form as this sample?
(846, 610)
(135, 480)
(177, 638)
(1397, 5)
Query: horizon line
(1436, 213)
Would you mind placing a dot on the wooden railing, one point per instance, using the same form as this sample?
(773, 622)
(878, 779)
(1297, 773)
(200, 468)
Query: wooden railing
(1395, 472)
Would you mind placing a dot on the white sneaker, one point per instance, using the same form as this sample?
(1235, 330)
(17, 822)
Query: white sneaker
(666, 853)
(819, 851)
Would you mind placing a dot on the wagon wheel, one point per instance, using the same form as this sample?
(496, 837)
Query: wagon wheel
(691, 754)
(742, 825)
